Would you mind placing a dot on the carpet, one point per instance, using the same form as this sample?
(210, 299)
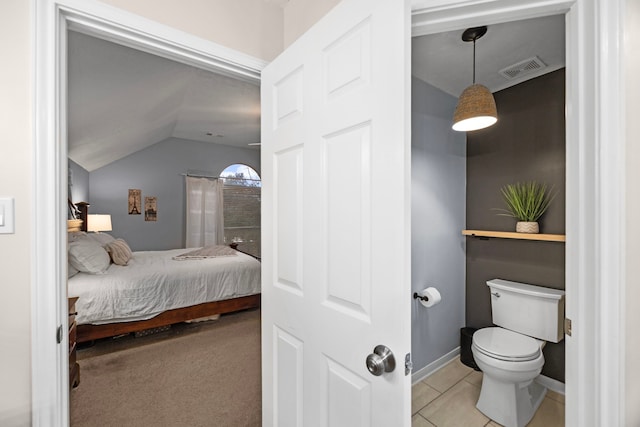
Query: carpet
(206, 375)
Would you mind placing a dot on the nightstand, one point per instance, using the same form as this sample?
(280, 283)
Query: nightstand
(74, 367)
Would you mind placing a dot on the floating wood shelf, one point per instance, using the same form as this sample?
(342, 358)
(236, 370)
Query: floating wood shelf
(511, 235)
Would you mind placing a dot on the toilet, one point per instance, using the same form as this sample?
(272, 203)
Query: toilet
(510, 353)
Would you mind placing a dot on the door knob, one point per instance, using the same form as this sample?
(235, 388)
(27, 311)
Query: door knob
(381, 361)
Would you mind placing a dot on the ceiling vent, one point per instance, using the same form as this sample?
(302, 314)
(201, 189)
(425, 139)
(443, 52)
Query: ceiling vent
(523, 67)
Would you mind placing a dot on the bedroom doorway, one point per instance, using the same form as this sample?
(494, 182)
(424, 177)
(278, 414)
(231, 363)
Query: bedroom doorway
(126, 81)
(50, 362)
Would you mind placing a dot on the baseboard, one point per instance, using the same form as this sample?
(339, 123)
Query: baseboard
(434, 366)
(551, 384)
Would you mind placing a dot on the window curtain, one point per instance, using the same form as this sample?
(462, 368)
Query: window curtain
(205, 219)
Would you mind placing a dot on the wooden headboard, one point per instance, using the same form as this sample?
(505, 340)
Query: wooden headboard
(74, 225)
(79, 224)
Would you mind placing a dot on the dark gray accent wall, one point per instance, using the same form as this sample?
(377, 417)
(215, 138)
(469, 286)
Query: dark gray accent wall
(527, 143)
(78, 182)
(438, 170)
(157, 171)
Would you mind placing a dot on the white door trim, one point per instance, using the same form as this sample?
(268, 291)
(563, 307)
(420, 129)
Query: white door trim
(595, 185)
(49, 373)
(606, 299)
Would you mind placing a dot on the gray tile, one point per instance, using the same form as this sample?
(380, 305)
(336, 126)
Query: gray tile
(549, 414)
(421, 395)
(447, 376)
(418, 421)
(555, 396)
(456, 407)
(475, 378)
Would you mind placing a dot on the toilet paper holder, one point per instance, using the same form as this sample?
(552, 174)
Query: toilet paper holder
(420, 297)
(428, 297)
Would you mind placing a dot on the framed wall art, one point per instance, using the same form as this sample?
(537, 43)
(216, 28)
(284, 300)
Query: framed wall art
(151, 208)
(135, 200)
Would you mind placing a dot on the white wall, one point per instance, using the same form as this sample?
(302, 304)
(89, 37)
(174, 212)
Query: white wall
(254, 27)
(632, 59)
(16, 168)
(438, 212)
(300, 15)
(261, 28)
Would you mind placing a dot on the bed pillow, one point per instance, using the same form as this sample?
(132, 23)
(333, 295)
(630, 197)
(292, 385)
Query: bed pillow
(71, 271)
(88, 257)
(103, 238)
(74, 236)
(119, 251)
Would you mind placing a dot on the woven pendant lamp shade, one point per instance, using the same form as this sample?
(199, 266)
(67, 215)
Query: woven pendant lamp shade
(476, 109)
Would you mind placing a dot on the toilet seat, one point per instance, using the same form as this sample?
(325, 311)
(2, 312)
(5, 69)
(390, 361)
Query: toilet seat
(503, 344)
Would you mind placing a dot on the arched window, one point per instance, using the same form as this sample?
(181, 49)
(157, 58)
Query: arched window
(239, 174)
(242, 187)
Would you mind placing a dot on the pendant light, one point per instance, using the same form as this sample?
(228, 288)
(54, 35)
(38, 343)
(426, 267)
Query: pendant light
(476, 107)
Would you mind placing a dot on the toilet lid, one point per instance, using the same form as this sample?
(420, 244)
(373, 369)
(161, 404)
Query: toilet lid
(504, 344)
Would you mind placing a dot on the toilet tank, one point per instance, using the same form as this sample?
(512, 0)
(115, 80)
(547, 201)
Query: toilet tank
(531, 310)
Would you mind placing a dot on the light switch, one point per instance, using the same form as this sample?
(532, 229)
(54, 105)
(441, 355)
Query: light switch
(6, 215)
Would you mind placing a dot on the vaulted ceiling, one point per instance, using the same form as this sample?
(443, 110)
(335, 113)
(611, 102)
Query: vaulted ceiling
(123, 100)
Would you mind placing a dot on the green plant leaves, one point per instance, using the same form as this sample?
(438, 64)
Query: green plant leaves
(526, 201)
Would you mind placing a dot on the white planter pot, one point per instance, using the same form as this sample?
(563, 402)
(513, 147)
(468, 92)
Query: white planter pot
(527, 227)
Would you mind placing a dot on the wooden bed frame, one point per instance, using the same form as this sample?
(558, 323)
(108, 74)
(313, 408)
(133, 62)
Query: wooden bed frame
(94, 332)
(90, 332)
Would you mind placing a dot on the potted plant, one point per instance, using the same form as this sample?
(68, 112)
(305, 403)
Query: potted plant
(526, 202)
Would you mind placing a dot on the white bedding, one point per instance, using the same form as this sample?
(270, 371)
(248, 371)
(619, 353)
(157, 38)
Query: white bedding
(153, 282)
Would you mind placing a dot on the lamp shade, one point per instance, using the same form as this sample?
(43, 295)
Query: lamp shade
(476, 109)
(98, 222)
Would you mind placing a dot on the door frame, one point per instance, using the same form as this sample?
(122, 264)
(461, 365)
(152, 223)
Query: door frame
(595, 186)
(52, 19)
(595, 177)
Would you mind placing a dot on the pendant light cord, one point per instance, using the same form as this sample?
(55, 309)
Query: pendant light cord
(474, 61)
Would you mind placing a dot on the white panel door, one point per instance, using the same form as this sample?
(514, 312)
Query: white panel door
(335, 220)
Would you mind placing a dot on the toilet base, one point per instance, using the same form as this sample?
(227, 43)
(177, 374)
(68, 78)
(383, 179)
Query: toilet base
(510, 404)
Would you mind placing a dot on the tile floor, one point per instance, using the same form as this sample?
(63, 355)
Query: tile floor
(447, 398)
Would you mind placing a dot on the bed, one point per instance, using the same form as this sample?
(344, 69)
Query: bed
(154, 288)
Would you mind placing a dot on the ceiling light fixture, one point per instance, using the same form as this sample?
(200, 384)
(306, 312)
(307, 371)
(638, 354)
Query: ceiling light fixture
(476, 107)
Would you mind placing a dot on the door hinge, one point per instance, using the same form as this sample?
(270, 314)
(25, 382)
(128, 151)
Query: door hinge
(408, 365)
(59, 334)
(567, 326)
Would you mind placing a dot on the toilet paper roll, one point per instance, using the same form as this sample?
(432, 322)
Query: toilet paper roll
(433, 296)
